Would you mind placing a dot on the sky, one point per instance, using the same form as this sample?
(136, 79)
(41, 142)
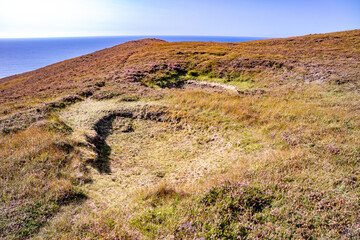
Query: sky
(253, 18)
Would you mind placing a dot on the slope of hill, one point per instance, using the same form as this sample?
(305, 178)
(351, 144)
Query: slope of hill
(158, 140)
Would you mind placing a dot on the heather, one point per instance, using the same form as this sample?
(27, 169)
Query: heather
(189, 140)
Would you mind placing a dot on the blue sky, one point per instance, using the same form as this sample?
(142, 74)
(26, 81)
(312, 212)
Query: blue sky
(255, 18)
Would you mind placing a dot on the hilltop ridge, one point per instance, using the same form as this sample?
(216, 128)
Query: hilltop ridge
(316, 54)
(186, 140)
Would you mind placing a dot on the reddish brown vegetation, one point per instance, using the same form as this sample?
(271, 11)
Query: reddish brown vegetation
(299, 59)
(285, 126)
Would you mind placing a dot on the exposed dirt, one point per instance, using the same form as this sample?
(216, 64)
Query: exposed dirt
(271, 62)
(210, 86)
(218, 87)
(288, 119)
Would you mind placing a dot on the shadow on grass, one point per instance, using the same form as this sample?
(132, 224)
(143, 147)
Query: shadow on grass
(103, 128)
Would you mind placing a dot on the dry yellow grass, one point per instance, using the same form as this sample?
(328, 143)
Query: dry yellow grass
(36, 178)
(279, 158)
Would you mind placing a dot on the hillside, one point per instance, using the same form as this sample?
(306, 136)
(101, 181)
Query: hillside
(188, 140)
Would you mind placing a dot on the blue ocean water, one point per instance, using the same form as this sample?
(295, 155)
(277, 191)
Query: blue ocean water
(23, 55)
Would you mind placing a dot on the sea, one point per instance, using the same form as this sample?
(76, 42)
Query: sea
(23, 55)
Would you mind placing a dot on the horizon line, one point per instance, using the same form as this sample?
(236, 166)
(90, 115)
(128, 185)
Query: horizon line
(173, 35)
(137, 35)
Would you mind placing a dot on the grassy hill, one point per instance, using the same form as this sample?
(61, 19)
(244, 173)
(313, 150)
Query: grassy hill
(188, 140)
